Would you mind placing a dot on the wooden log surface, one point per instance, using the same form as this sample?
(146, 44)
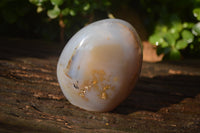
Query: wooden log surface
(166, 98)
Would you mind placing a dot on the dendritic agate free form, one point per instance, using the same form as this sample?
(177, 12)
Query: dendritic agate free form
(100, 65)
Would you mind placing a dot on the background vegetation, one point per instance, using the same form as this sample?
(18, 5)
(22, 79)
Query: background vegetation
(173, 26)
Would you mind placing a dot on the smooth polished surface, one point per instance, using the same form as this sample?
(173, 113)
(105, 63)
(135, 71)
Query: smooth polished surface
(100, 65)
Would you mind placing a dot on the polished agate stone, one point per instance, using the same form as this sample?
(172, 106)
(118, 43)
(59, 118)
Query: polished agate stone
(100, 65)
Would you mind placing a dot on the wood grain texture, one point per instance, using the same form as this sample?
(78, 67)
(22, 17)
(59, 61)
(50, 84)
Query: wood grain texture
(166, 98)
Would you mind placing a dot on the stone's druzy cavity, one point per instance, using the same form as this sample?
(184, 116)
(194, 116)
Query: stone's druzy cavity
(100, 65)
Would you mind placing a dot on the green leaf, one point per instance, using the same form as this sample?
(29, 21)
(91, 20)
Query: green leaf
(176, 23)
(57, 2)
(65, 12)
(181, 44)
(188, 25)
(178, 26)
(170, 39)
(37, 2)
(86, 7)
(164, 28)
(174, 54)
(174, 33)
(39, 9)
(187, 36)
(72, 12)
(164, 44)
(196, 13)
(156, 39)
(196, 29)
(160, 28)
(53, 13)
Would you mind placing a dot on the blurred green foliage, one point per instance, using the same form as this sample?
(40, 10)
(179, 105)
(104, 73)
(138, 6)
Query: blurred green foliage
(43, 19)
(19, 19)
(174, 26)
(69, 8)
(68, 12)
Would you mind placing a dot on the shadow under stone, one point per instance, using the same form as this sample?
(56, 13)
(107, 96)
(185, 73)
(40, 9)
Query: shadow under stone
(152, 94)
